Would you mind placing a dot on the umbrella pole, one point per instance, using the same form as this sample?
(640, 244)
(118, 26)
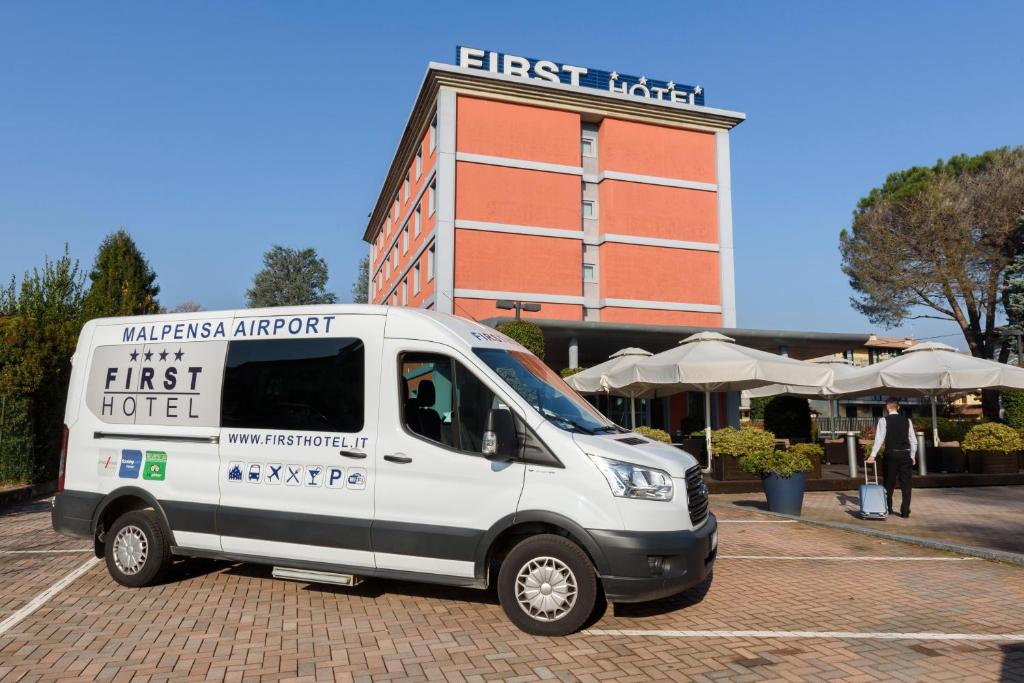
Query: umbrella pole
(632, 413)
(707, 427)
(935, 427)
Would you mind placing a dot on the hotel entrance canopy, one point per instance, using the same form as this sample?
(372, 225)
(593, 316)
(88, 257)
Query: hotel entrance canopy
(595, 341)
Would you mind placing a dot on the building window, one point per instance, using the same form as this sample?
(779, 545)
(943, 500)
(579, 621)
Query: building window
(394, 256)
(417, 220)
(433, 134)
(588, 147)
(416, 278)
(405, 291)
(419, 163)
(588, 208)
(432, 199)
(430, 263)
(589, 272)
(405, 188)
(387, 269)
(294, 384)
(405, 239)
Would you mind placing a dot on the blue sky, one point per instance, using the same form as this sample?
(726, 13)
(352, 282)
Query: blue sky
(213, 130)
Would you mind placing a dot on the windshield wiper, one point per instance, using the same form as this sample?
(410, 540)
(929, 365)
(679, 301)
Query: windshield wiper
(572, 423)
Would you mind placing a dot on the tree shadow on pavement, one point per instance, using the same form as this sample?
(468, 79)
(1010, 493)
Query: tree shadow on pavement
(18, 509)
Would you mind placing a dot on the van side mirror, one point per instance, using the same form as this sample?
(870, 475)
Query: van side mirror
(500, 440)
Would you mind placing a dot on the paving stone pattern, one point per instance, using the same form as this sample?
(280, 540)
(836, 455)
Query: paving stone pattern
(224, 621)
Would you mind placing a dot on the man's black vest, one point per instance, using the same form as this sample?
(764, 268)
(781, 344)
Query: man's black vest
(897, 436)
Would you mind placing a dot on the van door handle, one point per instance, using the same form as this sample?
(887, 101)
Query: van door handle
(399, 458)
(353, 454)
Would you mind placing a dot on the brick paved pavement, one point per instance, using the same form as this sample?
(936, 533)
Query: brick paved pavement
(981, 516)
(218, 620)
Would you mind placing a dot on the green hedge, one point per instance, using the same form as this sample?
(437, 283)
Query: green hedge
(1013, 405)
(526, 333)
(16, 439)
(654, 434)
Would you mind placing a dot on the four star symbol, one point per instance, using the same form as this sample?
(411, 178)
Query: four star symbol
(643, 80)
(697, 90)
(134, 355)
(148, 355)
(163, 355)
(179, 354)
(671, 85)
(614, 75)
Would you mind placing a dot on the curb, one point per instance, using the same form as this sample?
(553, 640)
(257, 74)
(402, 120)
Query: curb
(973, 551)
(26, 493)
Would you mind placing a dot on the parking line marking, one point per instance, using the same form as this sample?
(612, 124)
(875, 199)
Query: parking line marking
(847, 558)
(832, 635)
(757, 521)
(37, 552)
(41, 599)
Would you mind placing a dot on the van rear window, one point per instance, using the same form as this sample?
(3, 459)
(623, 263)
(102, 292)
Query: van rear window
(295, 384)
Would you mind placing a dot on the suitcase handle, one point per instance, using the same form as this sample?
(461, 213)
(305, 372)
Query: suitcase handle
(874, 466)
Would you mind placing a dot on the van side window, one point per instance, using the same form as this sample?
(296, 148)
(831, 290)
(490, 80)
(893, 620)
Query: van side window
(444, 402)
(296, 384)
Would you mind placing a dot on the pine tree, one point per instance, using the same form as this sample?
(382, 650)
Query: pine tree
(361, 287)
(290, 277)
(122, 283)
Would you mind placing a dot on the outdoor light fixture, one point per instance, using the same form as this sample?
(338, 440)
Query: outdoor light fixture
(517, 306)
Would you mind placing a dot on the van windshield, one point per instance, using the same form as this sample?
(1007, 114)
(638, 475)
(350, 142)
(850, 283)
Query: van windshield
(548, 393)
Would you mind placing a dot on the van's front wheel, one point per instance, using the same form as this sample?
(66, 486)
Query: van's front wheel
(137, 552)
(547, 586)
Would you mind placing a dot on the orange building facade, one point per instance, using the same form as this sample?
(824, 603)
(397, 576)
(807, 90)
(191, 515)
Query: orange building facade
(526, 180)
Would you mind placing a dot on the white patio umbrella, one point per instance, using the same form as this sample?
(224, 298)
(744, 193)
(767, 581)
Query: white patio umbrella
(841, 367)
(594, 380)
(930, 369)
(710, 362)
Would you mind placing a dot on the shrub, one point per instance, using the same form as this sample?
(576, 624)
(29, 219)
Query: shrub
(781, 463)
(654, 434)
(808, 450)
(526, 333)
(952, 430)
(740, 442)
(1013, 405)
(992, 436)
(788, 417)
(757, 407)
(569, 372)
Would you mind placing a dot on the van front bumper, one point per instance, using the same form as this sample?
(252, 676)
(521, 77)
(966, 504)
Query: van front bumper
(648, 565)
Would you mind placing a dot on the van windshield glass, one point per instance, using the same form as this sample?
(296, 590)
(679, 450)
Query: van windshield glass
(548, 393)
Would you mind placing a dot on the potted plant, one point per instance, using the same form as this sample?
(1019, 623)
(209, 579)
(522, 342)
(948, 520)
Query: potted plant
(728, 445)
(951, 456)
(813, 452)
(653, 434)
(783, 475)
(992, 448)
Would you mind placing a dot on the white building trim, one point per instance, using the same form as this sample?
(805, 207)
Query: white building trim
(518, 163)
(661, 305)
(444, 261)
(656, 242)
(519, 296)
(657, 180)
(726, 267)
(519, 229)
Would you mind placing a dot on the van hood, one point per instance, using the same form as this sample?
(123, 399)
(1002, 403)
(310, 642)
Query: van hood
(626, 447)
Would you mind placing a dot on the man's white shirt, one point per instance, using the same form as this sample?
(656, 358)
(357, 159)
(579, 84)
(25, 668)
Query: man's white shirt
(880, 438)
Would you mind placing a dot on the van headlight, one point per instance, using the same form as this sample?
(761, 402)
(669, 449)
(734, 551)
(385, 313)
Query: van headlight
(634, 481)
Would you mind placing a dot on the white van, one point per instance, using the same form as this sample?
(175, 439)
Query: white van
(341, 442)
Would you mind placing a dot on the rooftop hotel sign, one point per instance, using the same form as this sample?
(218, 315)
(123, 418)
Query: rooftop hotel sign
(578, 76)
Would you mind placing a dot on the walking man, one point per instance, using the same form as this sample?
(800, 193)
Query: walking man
(897, 433)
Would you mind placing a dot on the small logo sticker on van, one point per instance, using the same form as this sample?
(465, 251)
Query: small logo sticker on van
(131, 463)
(314, 476)
(155, 467)
(293, 475)
(108, 463)
(254, 473)
(274, 473)
(357, 478)
(335, 478)
(235, 471)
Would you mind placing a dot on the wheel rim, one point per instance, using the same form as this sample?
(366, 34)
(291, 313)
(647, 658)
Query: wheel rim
(546, 589)
(130, 550)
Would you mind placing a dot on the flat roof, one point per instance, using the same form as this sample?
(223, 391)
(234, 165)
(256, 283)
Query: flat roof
(598, 340)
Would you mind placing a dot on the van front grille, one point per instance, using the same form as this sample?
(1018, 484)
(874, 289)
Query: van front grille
(696, 495)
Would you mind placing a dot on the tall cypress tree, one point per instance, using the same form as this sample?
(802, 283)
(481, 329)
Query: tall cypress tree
(122, 283)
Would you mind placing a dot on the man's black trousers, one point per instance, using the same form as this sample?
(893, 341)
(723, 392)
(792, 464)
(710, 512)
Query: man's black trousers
(898, 469)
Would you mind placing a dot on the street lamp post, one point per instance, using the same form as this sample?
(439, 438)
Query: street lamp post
(518, 306)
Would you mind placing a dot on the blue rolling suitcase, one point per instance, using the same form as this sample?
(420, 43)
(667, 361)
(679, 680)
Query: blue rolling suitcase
(872, 497)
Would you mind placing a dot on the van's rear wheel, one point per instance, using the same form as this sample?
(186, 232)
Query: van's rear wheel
(547, 586)
(137, 551)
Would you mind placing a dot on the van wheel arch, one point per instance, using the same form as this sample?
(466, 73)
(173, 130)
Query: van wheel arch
(512, 529)
(120, 501)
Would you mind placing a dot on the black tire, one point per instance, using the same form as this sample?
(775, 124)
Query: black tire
(565, 555)
(145, 527)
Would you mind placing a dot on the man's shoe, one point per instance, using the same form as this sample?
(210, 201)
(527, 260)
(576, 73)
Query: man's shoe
(905, 515)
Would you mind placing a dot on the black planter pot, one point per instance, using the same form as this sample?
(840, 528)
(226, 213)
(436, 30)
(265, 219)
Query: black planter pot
(785, 494)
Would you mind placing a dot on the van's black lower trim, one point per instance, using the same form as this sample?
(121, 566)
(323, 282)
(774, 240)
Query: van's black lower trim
(327, 531)
(73, 512)
(684, 559)
(393, 574)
